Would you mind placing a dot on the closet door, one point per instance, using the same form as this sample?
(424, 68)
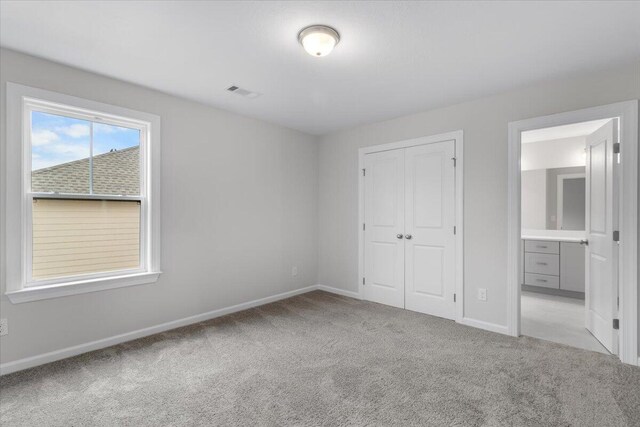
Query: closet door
(429, 221)
(384, 219)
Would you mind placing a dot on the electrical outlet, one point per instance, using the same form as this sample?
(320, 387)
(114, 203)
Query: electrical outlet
(294, 271)
(482, 294)
(4, 326)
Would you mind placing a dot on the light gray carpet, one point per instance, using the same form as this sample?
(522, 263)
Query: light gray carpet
(321, 359)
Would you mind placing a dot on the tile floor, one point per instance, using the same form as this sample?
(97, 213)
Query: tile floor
(558, 319)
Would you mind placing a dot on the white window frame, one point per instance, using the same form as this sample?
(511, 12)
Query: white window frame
(20, 286)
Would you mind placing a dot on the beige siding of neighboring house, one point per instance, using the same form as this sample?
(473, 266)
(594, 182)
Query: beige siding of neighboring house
(72, 237)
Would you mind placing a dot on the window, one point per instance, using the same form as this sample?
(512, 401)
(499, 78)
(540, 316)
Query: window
(88, 205)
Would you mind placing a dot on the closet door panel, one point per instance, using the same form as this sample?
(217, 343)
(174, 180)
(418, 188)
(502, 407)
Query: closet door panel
(429, 222)
(384, 219)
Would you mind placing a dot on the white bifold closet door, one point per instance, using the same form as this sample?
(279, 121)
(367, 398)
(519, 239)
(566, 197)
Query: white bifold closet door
(409, 235)
(429, 220)
(384, 232)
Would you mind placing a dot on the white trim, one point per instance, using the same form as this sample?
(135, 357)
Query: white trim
(460, 226)
(488, 326)
(17, 193)
(560, 194)
(627, 112)
(514, 184)
(70, 196)
(414, 142)
(337, 291)
(30, 362)
(458, 137)
(36, 293)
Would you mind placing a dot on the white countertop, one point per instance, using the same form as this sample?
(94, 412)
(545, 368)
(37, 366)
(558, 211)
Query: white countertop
(554, 235)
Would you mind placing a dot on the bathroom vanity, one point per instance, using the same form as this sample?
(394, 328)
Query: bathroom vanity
(553, 262)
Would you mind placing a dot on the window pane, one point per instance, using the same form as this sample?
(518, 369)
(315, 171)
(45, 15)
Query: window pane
(59, 154)
(116, 160)
(74, 237)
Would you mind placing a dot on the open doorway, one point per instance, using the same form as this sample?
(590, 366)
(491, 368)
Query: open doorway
(553, 231)
(607, 244)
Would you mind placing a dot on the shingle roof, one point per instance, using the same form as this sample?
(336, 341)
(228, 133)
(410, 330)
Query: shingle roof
(115, 172)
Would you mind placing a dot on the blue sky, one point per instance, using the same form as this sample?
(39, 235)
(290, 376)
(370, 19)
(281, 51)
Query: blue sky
(59, 139)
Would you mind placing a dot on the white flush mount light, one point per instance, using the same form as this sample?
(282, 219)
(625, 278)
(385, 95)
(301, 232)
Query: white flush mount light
(318, 40)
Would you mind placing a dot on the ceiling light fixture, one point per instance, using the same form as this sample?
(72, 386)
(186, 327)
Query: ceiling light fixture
(318, 40)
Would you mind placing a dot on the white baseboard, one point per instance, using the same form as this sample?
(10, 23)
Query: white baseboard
(339, 291)
(480, 324)
(30, 362)
(488, 326)
(41, 359)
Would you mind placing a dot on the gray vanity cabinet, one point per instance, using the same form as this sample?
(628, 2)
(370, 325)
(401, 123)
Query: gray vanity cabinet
(553, 265)
(571, 266)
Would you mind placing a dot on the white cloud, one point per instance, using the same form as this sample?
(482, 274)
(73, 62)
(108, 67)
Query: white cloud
(108, 129)
(57, 154)
(43, 137)
(75, 131)
(74, 151)
(46, 136)
(37, 163)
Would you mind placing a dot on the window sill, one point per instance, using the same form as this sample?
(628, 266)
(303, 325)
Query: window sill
(80, 287)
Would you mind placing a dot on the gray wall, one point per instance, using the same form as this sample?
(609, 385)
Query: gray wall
(552, 193)
(239, 209)
(533, 198)
(573, 204)
(484, 122)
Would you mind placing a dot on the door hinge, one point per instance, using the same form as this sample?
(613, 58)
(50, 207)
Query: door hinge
(364, 172)
(616, 236)
(616, 323)
(454, 297)
(363, 226)
(616, 148)
(454, 229)
(454, 161)
(363, 281)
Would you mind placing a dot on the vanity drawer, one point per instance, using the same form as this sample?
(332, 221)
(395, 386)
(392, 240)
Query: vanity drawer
(542, 263)
(542, 246)
(542, 280)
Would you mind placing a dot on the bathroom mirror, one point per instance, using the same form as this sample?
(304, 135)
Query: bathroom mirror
(553, 199)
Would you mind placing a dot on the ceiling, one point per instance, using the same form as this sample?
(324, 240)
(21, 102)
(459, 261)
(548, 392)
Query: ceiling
(394, 58)
(562, 132)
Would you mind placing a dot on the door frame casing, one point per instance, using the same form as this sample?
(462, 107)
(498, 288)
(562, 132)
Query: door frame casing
(458, 138)
(627, 113)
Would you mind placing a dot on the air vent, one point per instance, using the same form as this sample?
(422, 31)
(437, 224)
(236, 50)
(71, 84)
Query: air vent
(243, 92)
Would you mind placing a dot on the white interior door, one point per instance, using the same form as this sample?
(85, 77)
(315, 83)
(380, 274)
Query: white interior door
(601, 219)
(384, 219)
(429, 229)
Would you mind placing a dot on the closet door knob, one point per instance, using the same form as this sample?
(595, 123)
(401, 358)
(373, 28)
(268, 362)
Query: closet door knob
(407, 236)
(399, 236)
